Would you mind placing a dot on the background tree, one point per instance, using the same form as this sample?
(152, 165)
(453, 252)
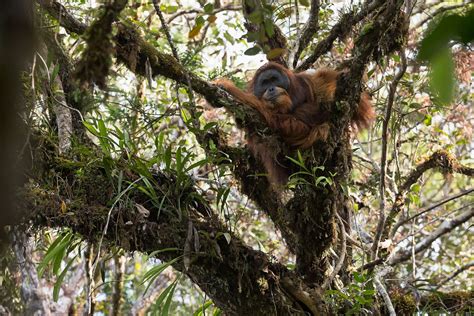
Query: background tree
(137, 163)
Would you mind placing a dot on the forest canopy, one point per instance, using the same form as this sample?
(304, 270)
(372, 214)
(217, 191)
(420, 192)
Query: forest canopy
(136, 180)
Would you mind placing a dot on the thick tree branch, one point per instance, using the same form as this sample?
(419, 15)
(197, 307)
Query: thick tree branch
(340, 30)
(231, 273)
(306, 34)
(136, 54)
(96, 59)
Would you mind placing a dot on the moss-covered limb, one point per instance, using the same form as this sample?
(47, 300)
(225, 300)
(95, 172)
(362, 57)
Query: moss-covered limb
(456, 302)
(366, 45)
(340, 30)
(240, 280)
(60, 13)
(306, 34)
(440, 160)
(96, 59)
(136, 54)
(311, 212)
(250, 172)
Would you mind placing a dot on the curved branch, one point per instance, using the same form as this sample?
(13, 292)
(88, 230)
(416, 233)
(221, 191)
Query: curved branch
(438, 11)
(455, 274)
(441, 160)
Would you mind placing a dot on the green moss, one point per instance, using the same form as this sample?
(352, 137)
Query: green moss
(404, 304)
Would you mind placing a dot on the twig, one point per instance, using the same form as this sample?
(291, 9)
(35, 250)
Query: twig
(455, 274)
(430, 208)
(165, 29)
(197, 11)
(189, 88)
(443, 229)
(383, 160)
(440, 159)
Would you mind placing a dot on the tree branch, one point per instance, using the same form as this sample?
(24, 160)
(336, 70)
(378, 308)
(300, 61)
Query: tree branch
(96, 59)
(455, 274)
(197, 11)
(383, 159)
(428, 209)
(441, 160)
(443, 229)
(135, 53)
(229, 272)
(439, 11)
(340, 30)
(306, 34)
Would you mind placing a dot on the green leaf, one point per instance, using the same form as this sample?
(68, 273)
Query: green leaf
(56, 250)
(200, 21)
(60, 279)
(256, 17)
(228, 238)
(202, 308)
(169, 9)
(442, 76)
(252, 51)
(167, 304)
(154, 272)
(304, 3)
(208, 8)
(275, 53)
(427, 120)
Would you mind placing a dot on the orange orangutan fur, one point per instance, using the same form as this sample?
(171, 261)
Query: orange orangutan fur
(296, 113)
